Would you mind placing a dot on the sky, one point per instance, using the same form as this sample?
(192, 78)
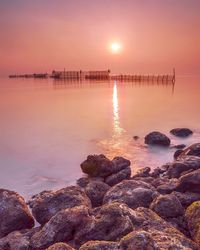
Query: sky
(46, 35)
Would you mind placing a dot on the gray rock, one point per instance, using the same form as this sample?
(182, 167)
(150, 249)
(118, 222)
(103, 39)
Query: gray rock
(138, 240)
(167, 206)
(96, 190)
(131, 192)
(47, 203)
(100, 245)
(187, 198)
(179, 146)
(62, 227)
(157, 138)
(194, 150)
(190, 182)
(168, 187)
(113, 179)
(181, 132)
(84, 181)
(99, 165)
(178, 153)
(181, 165)
(14, 213)
(143, 172)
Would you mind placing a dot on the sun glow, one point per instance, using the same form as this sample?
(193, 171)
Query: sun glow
(115, 47)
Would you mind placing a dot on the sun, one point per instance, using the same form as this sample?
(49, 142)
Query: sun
(115, 47)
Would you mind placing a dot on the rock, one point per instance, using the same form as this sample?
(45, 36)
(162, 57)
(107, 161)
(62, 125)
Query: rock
(167, 206)
(118, 177)
(190, 182)
(168, 187)
(180, 223)
(110, 223)
(157, 138)
(178, 153)
(138, 240)
(181, 132)
(100, 245)
(18, 240)
(179, 146)
(159, 171)
(131, 192)
(194, 150)
(14, 213)
(143, 172)
(179, 166)
(95, 191)
(60, 246)
(135, 137)
(164, 234)
(62, 227)
(99, 165)
(47, 203)
(84, 181)
(192, 216)
(187, 198)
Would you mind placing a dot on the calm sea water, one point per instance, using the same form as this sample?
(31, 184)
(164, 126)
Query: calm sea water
(48, 128)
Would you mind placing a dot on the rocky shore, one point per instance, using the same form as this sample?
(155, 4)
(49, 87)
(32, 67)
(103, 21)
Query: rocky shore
(110, 209)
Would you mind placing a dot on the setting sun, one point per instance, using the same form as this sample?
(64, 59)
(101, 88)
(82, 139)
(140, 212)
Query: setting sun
(115, 47)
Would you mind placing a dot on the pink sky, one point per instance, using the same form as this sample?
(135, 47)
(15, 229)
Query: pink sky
(156, 35)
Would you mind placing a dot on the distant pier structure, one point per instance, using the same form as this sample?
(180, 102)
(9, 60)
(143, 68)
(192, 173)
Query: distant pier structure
(103, 75)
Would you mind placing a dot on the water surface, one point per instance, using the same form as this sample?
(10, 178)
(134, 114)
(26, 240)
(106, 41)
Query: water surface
(48, 127)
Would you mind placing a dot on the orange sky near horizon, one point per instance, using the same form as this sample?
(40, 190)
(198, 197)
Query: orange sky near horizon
(42, 35)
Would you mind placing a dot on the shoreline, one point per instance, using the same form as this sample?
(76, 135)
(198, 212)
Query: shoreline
(110, 208)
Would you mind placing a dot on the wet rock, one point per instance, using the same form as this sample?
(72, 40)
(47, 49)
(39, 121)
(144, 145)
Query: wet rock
(95, 191)
(168, 187)
(18, 240)
(138, 240)
(47, 203)
(110, 223)
(181, 132)
(178, 153)
(14, 213)
(118, 177)
(62, 227)
(180, 223)
(60, 246)
(143, 172)
(167, 206)
(100, 245)
(159, 170)
(131, 192)
(99, 165)
(192, 216)
(187, 198)
(84, 181)
(148, 180)
(179, 146)
(157, 138)
(194, 150)
(190, 182)
(179, 166)
(164, 234)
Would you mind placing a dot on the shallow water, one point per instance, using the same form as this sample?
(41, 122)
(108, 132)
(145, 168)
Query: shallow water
(48, 127)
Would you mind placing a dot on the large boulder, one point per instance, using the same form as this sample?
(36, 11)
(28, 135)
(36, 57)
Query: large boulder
(194, 149)
(100, 166)
(14, 213)
(131, 192)
(192, 216)
(60, 246)
(138, 240)
(62, 227)
(157, 138)
(109, 223)
(163, 233)
(96, 190)
(181, 132)
(100, 245)
(190, 182)
(47, 203)
(118, 177)
(18, 240)
(187, 198)
(167, 206)
(182, 165)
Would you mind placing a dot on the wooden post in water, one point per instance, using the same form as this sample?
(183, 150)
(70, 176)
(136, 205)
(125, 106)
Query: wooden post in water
(174, 75)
